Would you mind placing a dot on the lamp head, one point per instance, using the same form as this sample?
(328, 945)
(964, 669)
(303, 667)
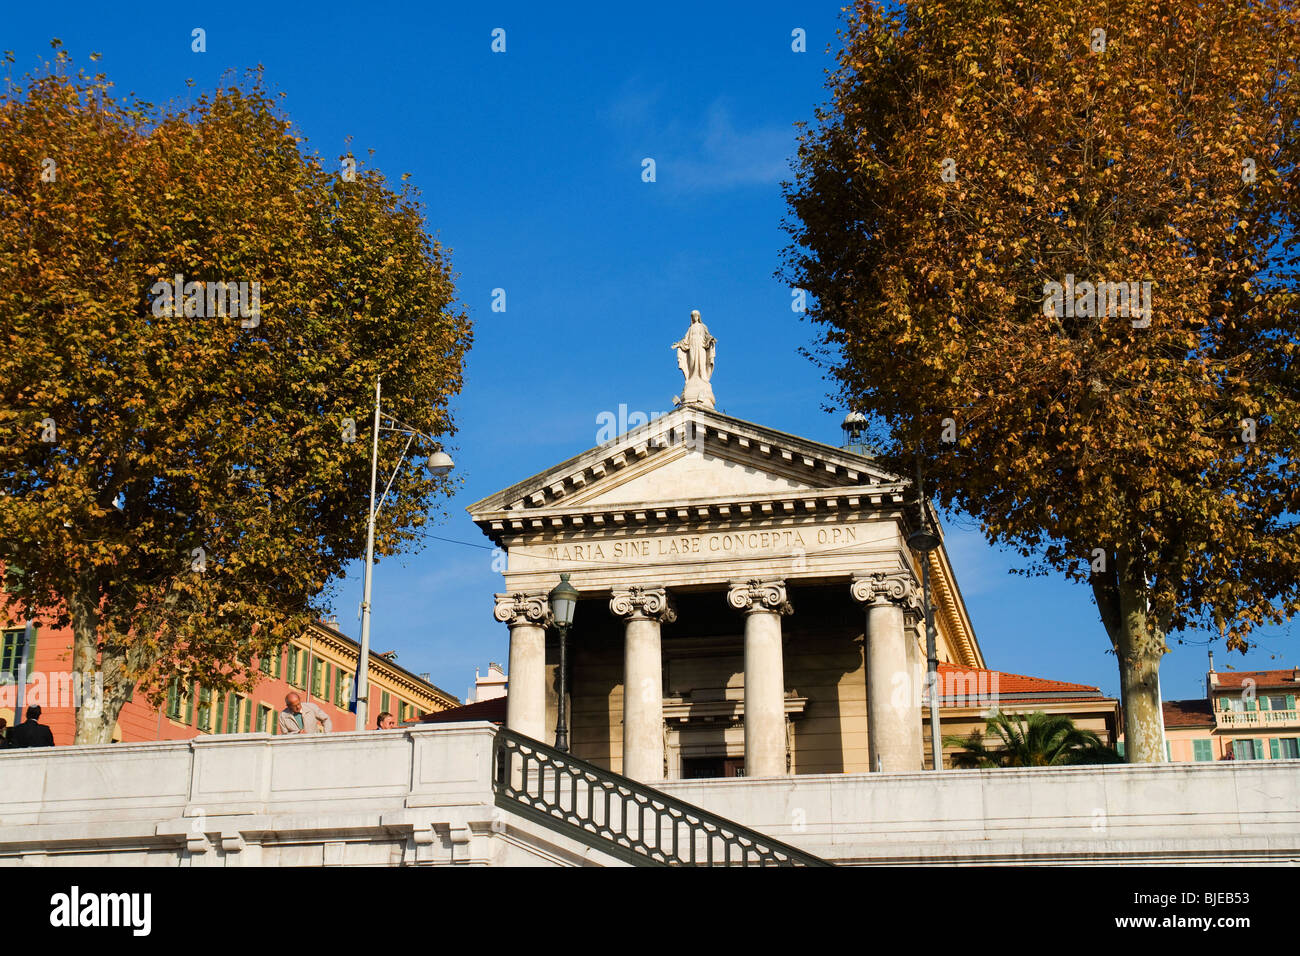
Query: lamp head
(563, 600)
(923, 540)
(854, 425)
(440, 463)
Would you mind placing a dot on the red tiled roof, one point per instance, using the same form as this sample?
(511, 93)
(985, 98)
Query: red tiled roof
(493, 709)
(1188, 713)
(957, 682)
(1235, 679)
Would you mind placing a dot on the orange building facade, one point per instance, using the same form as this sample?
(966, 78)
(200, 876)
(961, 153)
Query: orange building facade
(36, 668)
(1245, 715)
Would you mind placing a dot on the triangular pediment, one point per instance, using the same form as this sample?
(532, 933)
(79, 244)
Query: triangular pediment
(692, 454)
(684, 474)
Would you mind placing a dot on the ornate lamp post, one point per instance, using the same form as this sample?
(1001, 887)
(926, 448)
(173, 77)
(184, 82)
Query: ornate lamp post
(564, 601)
(439, 463)
(923, 540)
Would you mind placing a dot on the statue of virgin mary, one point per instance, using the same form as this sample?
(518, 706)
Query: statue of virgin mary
(695, 354)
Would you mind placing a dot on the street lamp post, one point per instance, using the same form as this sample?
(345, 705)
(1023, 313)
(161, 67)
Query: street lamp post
(923, 540)
(563, 600)
(439, 463)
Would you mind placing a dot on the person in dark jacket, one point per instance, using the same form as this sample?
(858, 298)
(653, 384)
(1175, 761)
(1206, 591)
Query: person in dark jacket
(31, 733)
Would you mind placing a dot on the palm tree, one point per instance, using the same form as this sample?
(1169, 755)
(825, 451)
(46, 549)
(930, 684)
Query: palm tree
(1038, 740)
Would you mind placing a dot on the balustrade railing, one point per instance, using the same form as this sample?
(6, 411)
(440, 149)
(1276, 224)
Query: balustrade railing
(622, 817)
(1257, 718)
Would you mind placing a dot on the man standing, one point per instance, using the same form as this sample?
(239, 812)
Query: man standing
(31, 733)
(303, 718)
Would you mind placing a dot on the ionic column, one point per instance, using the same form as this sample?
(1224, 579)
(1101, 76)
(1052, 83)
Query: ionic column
(643, 610)
(526, 614)
(893, 698)
(763, 603)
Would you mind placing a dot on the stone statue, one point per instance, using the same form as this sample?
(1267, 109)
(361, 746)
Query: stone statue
(695, 354)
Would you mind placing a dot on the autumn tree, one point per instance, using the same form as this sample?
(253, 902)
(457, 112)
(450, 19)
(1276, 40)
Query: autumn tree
(1050, 248)
(184, 470)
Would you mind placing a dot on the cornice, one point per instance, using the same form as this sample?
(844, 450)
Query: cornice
(721, 512)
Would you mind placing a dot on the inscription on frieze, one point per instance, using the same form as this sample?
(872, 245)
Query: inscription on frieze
(719, 544)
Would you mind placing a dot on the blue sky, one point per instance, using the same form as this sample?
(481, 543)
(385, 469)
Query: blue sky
(530, 164)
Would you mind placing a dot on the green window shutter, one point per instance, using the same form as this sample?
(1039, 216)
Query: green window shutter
(1201, 750)
(1274, 748)
(1265, 703)
(189, 706)
(1168, 752)
(385, 702)
(264, 663)
(338, 680)
(248, 714)
(11, 652)
(1252, 705)
(174, 698)
(221, 713)
(1290, 701)
(1120, 748)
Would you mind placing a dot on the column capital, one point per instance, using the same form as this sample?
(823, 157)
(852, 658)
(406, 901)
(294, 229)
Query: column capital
(651, 603)
(880, 588)
(755, 595)
(522, 607)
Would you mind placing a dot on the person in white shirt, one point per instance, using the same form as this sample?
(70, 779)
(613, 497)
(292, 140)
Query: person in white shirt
(303, 717)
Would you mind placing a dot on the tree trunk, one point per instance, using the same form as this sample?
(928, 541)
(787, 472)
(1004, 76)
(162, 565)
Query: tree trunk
(97, 685)
(1139, 644)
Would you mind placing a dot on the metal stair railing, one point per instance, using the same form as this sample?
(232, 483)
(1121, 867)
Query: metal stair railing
(621, 817)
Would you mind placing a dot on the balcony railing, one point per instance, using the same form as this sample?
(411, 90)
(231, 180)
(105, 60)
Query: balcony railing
(1257, 718)
(624, 818)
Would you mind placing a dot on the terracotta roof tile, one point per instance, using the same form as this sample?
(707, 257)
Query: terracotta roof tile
(1188, 713)
(957, 682)
(493, 709)
(1235, 679)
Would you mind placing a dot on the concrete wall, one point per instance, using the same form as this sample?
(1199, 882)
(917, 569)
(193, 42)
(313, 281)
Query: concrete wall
(416, 796)
(1230, 812)
(423, 796)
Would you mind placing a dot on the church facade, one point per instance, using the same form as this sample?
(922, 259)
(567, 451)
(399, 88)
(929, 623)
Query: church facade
(749, 603)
